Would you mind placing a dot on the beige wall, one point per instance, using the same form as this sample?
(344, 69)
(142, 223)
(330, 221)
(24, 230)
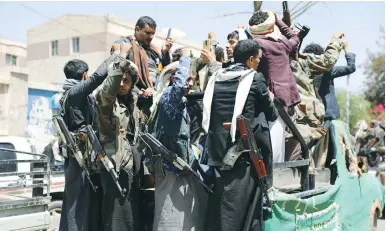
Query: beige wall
(18, 98)
(4, 105)
(14, 100)
(50, 70)
(66, 26)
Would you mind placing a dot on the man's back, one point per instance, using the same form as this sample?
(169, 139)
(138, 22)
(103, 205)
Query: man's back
(327, 88)
(223, 103)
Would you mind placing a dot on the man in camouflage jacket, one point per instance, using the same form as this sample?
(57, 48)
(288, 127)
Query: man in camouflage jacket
(309, 113)
(117, 117)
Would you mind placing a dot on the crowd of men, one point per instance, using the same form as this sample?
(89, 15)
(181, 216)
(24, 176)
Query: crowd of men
(141, 89)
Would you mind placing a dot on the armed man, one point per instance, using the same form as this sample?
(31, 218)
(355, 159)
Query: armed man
(118, 116)
(238, 89)
(278, 41)
(148, 59)
(77, 112)
(178, 197)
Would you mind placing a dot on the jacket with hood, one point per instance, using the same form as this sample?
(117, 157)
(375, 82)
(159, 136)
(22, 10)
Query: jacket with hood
(79, 102)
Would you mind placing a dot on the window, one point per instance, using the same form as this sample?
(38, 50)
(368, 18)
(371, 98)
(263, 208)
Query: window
(11, 60)
(10, 167)
(75, 44)
(54, 48)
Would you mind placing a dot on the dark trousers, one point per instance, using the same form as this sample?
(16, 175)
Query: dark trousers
(234, 191)
(331, 155)
(81, 205)
(120, 214)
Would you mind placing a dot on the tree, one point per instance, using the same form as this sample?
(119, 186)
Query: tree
(360, 107)
(374, 69)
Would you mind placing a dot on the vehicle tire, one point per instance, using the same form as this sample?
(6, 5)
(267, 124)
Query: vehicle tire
(55, 210)
(373, 159)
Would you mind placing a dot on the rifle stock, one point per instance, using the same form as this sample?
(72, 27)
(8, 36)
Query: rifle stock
(67, 139)
(101, 154)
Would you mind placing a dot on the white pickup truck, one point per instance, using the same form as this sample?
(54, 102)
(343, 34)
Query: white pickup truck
(30, 194)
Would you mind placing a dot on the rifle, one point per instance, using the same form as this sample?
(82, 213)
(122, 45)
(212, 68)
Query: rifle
(247, 136)
(157, 147)
(303, 30)
(101, 154)
(69, 142)
(286, 14)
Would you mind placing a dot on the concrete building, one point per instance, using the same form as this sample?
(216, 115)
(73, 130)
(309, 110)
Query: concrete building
(52, 44)
(13, 88)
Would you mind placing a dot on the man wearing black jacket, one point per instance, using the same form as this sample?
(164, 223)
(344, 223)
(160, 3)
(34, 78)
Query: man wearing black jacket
(227, 210)
(325, 85)
(81, 205)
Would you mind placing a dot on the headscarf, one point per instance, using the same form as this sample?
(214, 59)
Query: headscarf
(267, 29)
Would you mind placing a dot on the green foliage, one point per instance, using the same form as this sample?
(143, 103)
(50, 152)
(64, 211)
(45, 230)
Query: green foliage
(374, 69)
(359, 107)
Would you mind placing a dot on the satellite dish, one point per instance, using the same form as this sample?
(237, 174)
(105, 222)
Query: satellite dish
(175, 34)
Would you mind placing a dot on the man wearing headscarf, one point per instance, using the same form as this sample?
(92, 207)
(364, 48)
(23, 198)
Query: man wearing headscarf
(278, 41)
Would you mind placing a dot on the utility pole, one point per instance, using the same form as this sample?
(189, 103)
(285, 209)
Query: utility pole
(348, 102)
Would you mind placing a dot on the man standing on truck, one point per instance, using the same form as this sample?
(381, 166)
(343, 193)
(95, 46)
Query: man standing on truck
(309, 113)
(148, 59)
(278, 41)
(234, 189)
(326, 88)
(80, 203)
(178, 199)
(118, 116)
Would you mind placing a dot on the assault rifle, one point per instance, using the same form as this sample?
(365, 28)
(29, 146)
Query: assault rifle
(246, 136)
(101, 154)
(173, 158)
(303, 30)
(69, 142)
